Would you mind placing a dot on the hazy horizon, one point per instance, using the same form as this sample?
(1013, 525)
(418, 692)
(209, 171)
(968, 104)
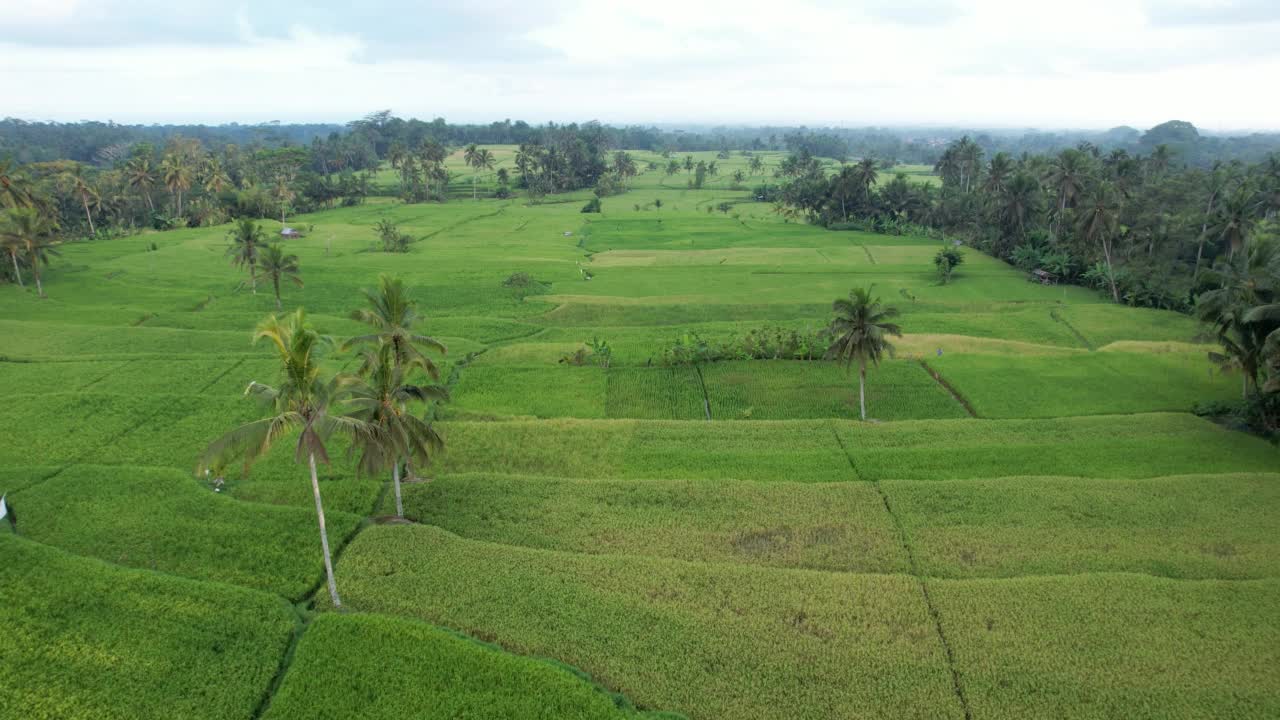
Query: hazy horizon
(997, 64)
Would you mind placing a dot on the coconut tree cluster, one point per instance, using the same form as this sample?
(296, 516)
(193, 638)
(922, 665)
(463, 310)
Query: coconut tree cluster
(382, 411)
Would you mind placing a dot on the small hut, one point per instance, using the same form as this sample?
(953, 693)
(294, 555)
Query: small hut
(1044, 277)
(290, 234)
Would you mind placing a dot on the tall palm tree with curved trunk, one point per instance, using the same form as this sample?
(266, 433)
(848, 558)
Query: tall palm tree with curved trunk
(999, 170)
(75, 181)
(381, 398)
(33, 232)
(861, 329)
(303, 402)
(141, 177)
(177, 178)
(393, 316)
(278, 266)
(247, 239)
(1099, 221)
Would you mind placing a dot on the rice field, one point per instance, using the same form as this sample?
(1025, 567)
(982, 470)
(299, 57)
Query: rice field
(1031, 524)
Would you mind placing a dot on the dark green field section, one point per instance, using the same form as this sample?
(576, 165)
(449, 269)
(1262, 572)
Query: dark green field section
(380, 667)
(736, 390)
(669, 634)
(84, 640)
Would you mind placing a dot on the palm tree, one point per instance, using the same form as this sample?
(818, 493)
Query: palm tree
(756, 165)
(15, 190)
(1066, 177)
(1248, 284)
(77, 183)
(1017, 204)
(279, 266)
(471, 156)
(867, 172)
(392, 315)
(215, 178)
(380, 398)
(999, 170)
(482, 160)
(246, 239)
(860, 329)
(303, 401)
(32, 232)
(142, 178)
(1236, 218)
(177, 177)
(13, 248)
(1099, 220)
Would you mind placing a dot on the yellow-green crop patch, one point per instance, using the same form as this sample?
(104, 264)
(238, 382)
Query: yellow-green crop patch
(1192, 526)
(375, 666)
(817, 526)
(705, 640)
(1086, 383)
(1114, 646)
(84, 640)
(160, 519)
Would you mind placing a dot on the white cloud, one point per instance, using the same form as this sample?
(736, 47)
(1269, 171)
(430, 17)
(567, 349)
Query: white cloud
(1093, 63)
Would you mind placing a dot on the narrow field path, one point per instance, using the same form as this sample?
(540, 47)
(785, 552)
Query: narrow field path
(956, 685)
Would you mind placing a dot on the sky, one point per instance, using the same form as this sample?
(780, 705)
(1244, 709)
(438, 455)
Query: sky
(973, 63)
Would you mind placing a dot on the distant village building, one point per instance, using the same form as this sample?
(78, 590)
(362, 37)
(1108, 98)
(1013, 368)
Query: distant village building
(290, 234)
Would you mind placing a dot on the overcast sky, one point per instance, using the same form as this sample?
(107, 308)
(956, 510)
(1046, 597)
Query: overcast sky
(1005, 63)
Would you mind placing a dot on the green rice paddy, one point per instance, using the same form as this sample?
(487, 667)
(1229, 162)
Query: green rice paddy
(1032, 524)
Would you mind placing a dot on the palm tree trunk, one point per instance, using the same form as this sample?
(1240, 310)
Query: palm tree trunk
(862, 389)
(1204, 229)
(150, 206)
(14, 257)
(35, 270)
(1111, 275)
(275, 283)
(324, 534)
(395, 479)
(87, 216)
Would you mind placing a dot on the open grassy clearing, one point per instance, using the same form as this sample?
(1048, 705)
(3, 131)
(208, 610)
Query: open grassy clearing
(705, 640)
(819, 526)
(375, 666)
(1114, 646)
(87, 640)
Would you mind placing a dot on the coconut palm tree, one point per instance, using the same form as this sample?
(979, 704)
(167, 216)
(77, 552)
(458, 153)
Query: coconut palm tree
(303, 402)
(866, 172)
(32, 232)
(177, 178)
(1248, 284)
(278, 266)
(1236, 218)
(380, 397)
(393, 315)
(215, 178)
(999, 170)
(75, 181)
(756, 165)
(482, 160)
(1066, 177)
(142, 178)
(861, 328)
(15, 189)
(1099, 221)
(247, 239)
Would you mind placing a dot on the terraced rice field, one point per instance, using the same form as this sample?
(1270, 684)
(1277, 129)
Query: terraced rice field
(1033, 524)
